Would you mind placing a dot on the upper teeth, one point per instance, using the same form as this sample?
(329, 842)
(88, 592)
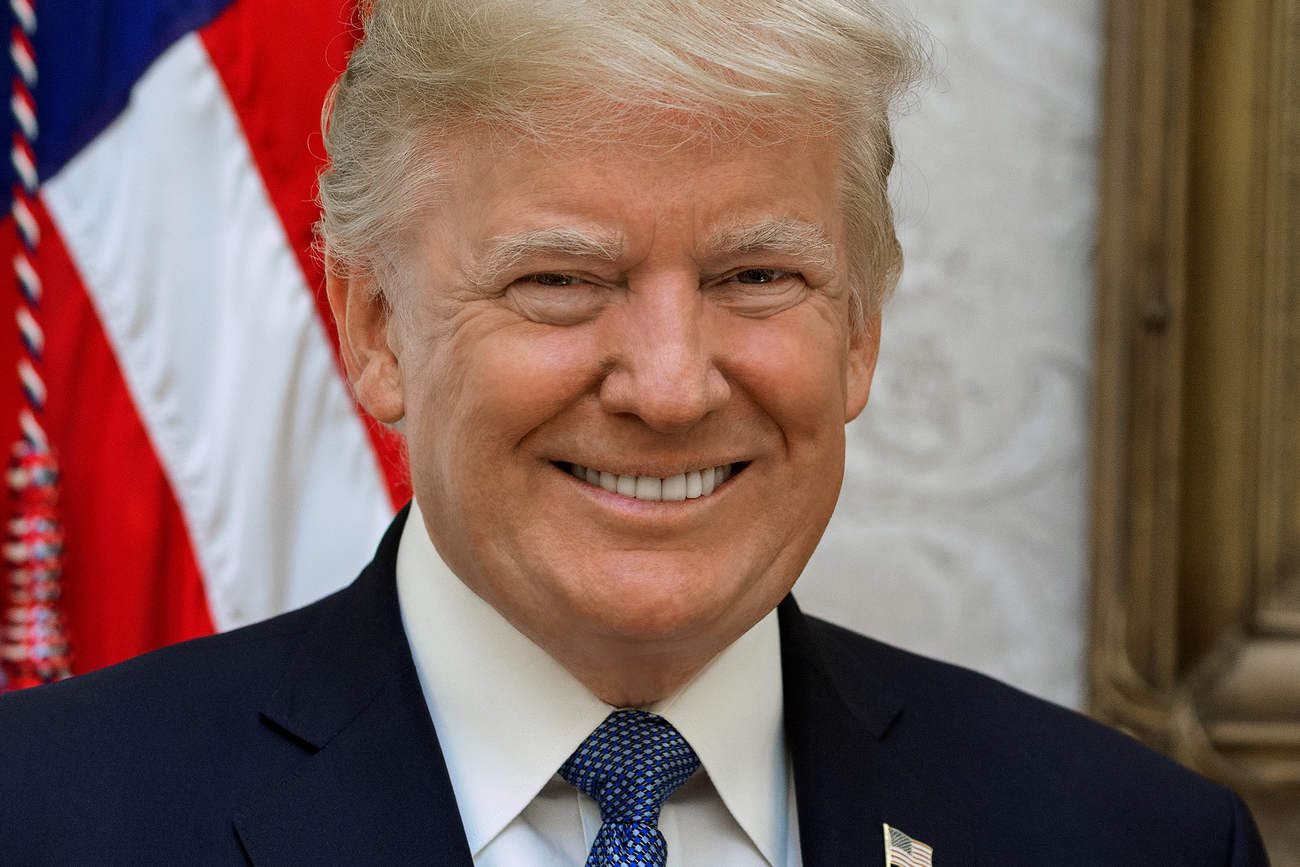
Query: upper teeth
(684, 486)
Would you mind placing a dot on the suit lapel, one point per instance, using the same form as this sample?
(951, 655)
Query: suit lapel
(374, 787)
(854, 767)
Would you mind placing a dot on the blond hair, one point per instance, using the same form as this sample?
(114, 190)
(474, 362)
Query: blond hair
(611, 70)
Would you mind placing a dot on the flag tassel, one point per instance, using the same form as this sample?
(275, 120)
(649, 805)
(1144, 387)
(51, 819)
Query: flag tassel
(34, 647)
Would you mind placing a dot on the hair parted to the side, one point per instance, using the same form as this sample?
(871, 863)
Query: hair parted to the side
(756, 71)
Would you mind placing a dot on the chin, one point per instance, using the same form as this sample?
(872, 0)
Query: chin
(657, 605)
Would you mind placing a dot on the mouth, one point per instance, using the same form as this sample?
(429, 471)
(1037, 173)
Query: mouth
(690, 485)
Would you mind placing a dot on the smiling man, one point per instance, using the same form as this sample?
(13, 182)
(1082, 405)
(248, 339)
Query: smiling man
(614, 268)
(676, 321)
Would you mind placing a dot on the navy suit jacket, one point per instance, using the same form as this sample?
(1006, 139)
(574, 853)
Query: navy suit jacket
(306, 740)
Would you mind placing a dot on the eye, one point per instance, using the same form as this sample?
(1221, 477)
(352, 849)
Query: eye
(556, 298)
(549, 278)
(760, 292)
(759, 276)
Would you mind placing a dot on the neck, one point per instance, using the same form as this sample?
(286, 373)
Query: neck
(630, 679)
(634, 671)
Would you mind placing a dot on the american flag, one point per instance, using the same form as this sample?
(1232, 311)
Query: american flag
(215, 469)
(902, 851)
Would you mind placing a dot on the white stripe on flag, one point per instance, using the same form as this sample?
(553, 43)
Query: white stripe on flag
(209, 314)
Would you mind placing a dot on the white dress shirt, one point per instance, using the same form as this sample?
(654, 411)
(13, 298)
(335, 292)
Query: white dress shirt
(508, 715)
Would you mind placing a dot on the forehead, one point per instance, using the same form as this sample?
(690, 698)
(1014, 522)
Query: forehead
(626, 191)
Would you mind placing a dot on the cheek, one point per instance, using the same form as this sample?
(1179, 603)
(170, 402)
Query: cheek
(524, 376)
(487, 388)
(796, 372)
(796, 376)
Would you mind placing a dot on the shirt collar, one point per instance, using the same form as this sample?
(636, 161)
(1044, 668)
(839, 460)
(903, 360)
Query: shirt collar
(508, 715)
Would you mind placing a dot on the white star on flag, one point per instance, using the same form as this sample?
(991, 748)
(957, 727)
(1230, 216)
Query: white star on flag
(902, 851)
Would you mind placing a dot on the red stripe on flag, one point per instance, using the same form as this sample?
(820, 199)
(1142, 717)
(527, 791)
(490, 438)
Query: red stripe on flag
(131, 582)
(278, 59)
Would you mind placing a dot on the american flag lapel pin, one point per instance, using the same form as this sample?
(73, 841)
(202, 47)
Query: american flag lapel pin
(902, 851)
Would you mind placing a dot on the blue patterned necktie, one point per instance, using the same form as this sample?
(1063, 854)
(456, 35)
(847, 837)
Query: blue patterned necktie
(630, 765)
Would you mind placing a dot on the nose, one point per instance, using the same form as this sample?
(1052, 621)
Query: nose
(663, 368)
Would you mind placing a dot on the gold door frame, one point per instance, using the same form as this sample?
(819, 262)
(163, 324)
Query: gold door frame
(1195, 638)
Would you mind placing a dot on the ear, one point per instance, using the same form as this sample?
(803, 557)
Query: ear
(864, 349)
(362, 316)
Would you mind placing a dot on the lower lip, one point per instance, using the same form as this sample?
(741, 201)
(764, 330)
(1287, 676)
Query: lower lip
(631, 505)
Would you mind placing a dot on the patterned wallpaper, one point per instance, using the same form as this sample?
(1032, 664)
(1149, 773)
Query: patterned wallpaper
(962, 527)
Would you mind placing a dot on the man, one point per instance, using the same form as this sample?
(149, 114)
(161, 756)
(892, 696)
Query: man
(615, 271)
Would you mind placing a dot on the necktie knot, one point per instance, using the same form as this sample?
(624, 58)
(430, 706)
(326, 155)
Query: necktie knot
(630, 765)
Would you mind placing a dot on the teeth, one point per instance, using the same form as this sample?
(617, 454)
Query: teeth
(684, 486)
(649, 488)
(694, 487)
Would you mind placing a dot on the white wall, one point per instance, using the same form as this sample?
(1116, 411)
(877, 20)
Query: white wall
(962, 528)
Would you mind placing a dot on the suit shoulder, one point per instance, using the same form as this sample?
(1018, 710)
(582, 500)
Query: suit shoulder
(145, 749)
(243, 661)
(1021, 761)
(189, 704)
(977, 709)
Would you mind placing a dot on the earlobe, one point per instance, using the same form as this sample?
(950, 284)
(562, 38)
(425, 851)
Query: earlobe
(864, 349)
(363, 319)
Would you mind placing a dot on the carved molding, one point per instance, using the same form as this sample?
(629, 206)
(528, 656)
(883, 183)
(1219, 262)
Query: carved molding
(1195, 638)
(1141, 294)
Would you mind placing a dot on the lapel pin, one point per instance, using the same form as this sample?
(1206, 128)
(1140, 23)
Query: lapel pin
(902, 851)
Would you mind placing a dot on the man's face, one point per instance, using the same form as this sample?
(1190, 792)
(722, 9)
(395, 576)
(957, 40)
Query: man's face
(669, 323)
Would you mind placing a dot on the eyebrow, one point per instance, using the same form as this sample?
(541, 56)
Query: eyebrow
(790, 238)
(501, 253)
